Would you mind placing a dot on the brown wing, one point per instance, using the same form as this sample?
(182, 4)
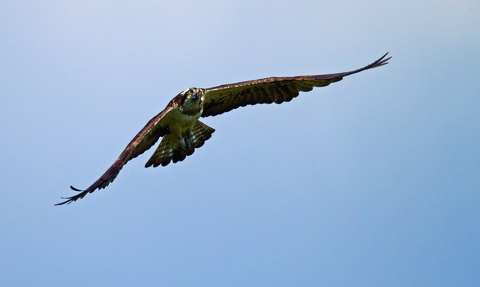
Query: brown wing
(147, 137)
(221, 99)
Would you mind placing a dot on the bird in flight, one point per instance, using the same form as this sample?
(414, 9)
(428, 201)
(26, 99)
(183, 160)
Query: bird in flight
(182, 132)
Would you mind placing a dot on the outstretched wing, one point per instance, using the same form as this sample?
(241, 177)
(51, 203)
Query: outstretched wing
(147, 137)
(221, 99)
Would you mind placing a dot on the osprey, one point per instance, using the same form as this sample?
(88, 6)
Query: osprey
(182, 132)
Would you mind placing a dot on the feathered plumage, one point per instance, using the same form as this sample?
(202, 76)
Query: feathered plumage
(181, 130)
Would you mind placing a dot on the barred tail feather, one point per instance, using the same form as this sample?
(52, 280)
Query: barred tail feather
(201, 133)
(165, 153)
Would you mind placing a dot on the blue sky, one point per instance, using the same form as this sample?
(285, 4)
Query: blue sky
(372, 181)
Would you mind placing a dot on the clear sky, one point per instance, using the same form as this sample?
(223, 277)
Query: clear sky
(372, 181)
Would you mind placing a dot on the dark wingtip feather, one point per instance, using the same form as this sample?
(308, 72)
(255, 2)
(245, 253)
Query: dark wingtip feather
(71, 198)
(76, 189)
(382, 61)
(67, 201)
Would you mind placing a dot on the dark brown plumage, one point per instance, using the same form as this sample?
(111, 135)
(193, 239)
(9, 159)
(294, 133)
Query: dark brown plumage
(181, 130)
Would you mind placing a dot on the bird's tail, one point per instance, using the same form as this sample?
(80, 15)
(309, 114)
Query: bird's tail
(166, 152)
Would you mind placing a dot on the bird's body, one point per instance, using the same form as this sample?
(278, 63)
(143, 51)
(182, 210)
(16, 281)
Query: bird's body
(182, 132)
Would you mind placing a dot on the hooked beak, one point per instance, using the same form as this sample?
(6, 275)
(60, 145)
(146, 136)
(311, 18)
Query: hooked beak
(196, 97)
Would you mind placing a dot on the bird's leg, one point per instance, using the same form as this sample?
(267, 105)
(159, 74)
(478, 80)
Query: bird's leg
(181, 144)
(188, 140)
(177, 132)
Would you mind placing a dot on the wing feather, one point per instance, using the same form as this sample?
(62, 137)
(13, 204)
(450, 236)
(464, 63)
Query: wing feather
(147, 137)
(221, 99)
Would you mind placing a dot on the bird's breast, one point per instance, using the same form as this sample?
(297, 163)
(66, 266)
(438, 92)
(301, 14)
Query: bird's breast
(184, 120)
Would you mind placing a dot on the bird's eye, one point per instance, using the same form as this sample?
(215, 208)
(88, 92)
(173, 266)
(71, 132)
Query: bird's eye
(190, 92)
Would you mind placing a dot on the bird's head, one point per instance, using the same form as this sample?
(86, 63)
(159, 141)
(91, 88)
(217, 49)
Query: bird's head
(193, 95)
(192, 100)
